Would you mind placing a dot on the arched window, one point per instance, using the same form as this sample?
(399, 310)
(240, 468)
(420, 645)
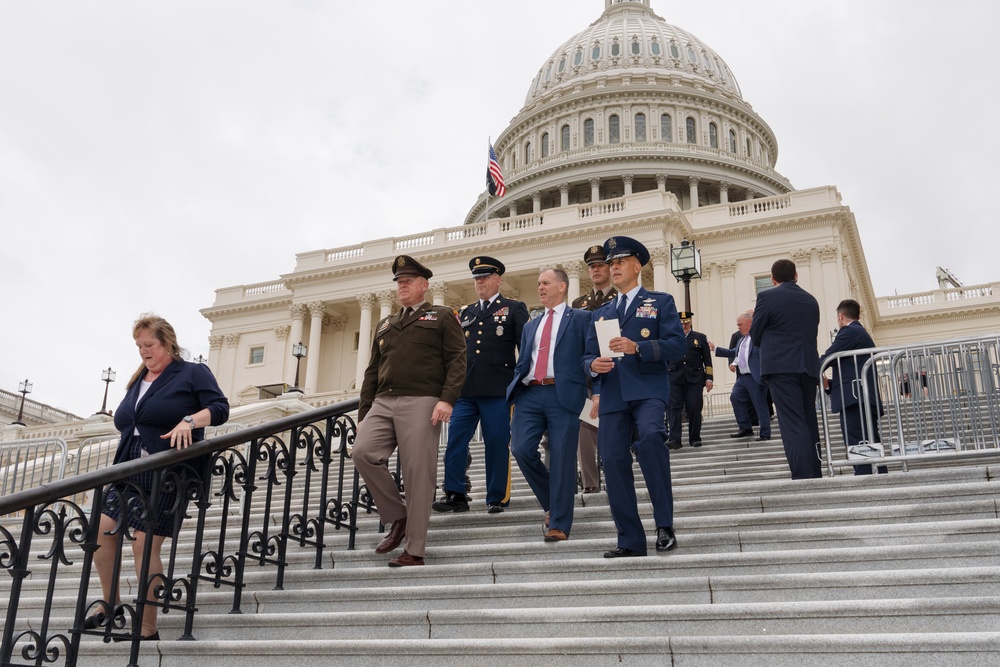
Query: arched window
(562, 64)
(614, 129)
(640, 127)
(578, 57)
(713, 135)
(548, 73)
(616, 49)
(666, 128)
(692, 56)
(692, 133)
(595, 53)
(674, 51)
(635, 47)
(545, 144)
(748, 146)
(564, 138)
(527, 152)
(732, 141)
(588, 132)
(654, 47)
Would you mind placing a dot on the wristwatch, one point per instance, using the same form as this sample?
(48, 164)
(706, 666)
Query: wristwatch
(190, 420)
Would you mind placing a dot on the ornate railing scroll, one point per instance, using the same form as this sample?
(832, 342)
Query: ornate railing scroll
(247, 497)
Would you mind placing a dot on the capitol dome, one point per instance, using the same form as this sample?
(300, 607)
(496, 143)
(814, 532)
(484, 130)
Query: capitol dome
(632, 103)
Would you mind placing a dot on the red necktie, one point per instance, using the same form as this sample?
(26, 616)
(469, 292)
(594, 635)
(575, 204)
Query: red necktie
(542, 363)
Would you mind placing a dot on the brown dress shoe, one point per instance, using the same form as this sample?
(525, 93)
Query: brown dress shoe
(406, 560)
(555, 535)
(394, 538)
(590, 489)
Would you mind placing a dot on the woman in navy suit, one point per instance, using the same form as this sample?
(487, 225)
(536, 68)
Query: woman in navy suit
(168, 404)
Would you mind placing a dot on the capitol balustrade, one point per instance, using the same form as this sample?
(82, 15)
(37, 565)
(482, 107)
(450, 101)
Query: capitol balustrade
(986, 293)
(792, 204)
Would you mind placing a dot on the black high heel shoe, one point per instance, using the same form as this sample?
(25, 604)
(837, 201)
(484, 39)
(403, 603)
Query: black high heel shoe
(97, 620)
(155, 637)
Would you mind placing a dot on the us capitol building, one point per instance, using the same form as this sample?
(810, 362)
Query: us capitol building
(632, 126)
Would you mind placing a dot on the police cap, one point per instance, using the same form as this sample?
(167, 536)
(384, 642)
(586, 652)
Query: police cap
(405, 266)
(484, 266)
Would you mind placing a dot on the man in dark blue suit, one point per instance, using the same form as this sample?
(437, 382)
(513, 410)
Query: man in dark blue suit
(630, 394)
(548, 393)
(749, 391)
(846, 395)
(492, 327)
(785, 325)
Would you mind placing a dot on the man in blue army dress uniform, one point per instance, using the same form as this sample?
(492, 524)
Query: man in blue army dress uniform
(492, 327)
(630, 392)
(688, 376)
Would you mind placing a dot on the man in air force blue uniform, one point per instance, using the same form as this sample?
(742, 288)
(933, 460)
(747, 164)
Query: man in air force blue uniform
(630, 392)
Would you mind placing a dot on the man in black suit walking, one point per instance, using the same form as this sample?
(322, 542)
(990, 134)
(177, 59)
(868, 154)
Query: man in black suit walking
(785, 326)
(846, 395)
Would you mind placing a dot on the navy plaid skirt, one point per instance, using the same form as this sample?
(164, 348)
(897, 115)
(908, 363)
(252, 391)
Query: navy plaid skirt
(136, 494)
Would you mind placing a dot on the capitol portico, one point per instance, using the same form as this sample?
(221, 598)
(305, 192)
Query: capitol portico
(632, 126)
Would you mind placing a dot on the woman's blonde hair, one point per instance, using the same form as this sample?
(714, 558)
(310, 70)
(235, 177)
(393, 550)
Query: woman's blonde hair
(161, 330)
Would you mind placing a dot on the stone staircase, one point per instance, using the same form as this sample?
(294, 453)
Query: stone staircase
(898, 569)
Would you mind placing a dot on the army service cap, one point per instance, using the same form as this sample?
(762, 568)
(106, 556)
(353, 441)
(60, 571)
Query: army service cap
(594, 255)
(405, 266)
(618, 247)
(484, 266)
(685, 316)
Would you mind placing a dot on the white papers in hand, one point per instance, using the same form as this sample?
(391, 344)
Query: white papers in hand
(606, 330)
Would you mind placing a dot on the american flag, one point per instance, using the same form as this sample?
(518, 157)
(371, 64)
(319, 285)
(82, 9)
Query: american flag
(494, 179)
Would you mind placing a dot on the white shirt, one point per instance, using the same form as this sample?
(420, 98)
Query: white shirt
(628, 296)
(743, 354)
(484, 304)
(560, 310)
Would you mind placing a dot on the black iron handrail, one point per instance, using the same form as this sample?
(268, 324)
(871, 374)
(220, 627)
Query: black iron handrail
(301, 478)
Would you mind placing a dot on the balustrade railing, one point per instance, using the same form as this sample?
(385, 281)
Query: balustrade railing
(296, 470)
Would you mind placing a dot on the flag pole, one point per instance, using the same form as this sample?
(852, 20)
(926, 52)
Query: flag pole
(489, 144)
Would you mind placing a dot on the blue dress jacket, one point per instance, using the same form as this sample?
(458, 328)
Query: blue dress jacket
(183, 388)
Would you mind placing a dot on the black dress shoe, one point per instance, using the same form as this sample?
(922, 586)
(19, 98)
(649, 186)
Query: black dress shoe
(665, 540)
(155, 637)
(696, 443)
(763, 437)
(99, 619)
(622, 552)
(452, 502)
(742, 433)
(494, 508)
(673, 444)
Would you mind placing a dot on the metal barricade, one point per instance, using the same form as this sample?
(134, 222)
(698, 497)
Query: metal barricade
(938, 400)
(717, 403)
(29, 463)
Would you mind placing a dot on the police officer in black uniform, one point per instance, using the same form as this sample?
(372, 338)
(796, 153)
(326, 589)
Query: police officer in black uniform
(492, 327)
(688, 377)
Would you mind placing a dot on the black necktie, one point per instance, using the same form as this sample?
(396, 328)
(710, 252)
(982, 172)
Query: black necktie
(406, 314)
(621, 308)
(598, 296)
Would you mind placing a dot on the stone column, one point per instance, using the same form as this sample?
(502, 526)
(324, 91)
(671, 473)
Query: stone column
(366, 301)
(573, 270)
(438, 290)
(283, 348)
(215, 361)
(693, 190)
(564, 194)
(536, 201)
(386, 300)
(595, 189)
(628, 179)
(724, 192)
(230, 360)
(660, 259)
(661, 182)
(317, 311)
(298, 312)
(727, 280)
(830, 287)
(512, 209)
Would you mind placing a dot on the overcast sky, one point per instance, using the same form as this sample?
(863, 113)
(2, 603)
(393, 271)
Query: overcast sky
(154, 151)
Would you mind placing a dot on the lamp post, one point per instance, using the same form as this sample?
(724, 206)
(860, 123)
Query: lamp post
(23, 388)
(685, 264)
(199, 359)
(107, 377)
(298, 351)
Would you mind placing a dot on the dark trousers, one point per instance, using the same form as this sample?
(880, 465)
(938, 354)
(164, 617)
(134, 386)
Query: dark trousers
(537, 410)
(748, 394)
(647, 417)
(494, 415)
(794, 397)
(689, 397)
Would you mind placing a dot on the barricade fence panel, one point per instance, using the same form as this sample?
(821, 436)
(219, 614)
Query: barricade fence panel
(937, 399)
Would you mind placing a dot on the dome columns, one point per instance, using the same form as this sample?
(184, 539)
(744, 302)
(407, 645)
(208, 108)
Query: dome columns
(564, 194)
(723, 192)
(661, 182)
(693, 190)
(536, 202)
(595, 189)
(628, 179)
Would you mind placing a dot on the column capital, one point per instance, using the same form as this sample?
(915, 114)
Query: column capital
(232, 339)
(802, 256)
(574, 268)
(298, 310)
(215, 341)
(564, 188)
(595, 181)
(724, 185)
(693, 180)
(281, 331)
(829, 253)
(727, 267)
(439, 289)
(335, 322)
(366, 300)
(316, 308)
(660, 255)
(386, 298)
(628, 178)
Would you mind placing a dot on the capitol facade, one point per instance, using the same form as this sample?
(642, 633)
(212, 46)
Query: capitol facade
(632, 126)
